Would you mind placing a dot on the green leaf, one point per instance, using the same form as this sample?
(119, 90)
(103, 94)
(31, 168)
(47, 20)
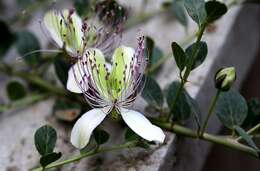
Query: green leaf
(196, 10)
(25, 3)
(26, 44)
(61, 67)
(49, 158)
(182, 108)
(246, 137)
(231, 108)
(7, 38)
(66, 110)
(101, 136)
(153, 53)
(215, 10)
(82, 6)
(195, 109)
(198, 52)
(131, 135)
(179, 12)
(179, 56)
(45, 139)
(15, 90)
(149, 44)
(253, 116)
(152, 93)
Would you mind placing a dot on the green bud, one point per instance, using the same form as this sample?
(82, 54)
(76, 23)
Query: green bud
(224, 78)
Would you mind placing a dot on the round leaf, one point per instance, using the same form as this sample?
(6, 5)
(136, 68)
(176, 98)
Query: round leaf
(182, 108)
(152, 93)
(231, 108)
(196, 10)
(26, 44)
(215, 10)
(15, 90)
(45, 139)
(49, 158)
(179, 12)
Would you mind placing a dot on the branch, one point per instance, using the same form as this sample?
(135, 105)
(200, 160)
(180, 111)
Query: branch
(90, 153)
(227, 142)
(23, 102)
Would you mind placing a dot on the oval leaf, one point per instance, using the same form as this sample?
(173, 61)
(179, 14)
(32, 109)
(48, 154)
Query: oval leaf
(196, 53)
(15, 90)
(179, 56)
(196, 10)
(179, 12)
(152, 93)
(215, 10)
(231, 108)
(27, 43)
(45, 139)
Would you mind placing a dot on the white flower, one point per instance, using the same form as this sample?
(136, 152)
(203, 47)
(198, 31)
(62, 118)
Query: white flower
(73, 35)
(105, 87)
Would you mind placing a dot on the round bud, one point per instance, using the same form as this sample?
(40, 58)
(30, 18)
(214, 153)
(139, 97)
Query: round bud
(224, 78)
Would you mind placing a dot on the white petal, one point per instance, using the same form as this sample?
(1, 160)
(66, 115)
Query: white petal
(75, 75)
(55, 24)
(51, 21)
(142, 126)
(84, 127)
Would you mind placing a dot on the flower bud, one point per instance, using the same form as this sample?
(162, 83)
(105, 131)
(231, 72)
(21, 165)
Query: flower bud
(224, 78)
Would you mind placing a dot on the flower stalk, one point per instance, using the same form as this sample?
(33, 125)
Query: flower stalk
(211, 109)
